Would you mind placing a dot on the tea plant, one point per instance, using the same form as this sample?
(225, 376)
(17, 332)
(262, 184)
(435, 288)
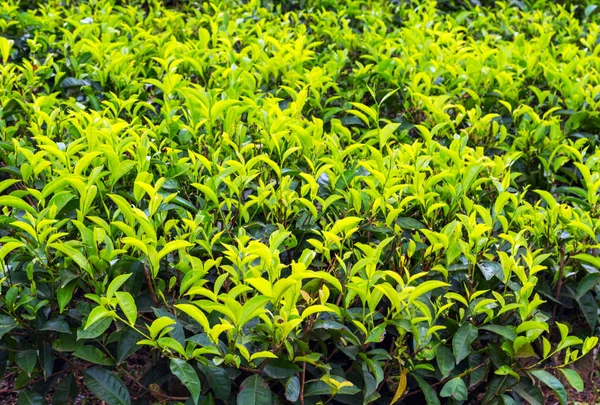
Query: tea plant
(300, 202)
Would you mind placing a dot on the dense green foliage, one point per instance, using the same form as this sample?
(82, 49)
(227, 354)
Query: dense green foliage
(309, 202)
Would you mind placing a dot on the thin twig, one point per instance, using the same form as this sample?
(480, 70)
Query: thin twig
(303, 384)
(149, 282)
(559, 283)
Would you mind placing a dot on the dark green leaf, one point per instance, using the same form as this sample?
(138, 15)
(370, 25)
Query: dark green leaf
(428, 391)
(56, 325)
(370, 383)
(321, 388)
(455, 389)
(503, 331)
(587, 283)
(66, 391)
(127, 344)
(280, 368)
(491, 269)
(218, 380)
(7, 324)
(187, 375)
(74, 82)
(497, 355)
(409, 223)
(106, 386)
(445, 360)
(292, 389)
(317, 388)
(26, 360)
(254, 391)
(553, 383)
(158, 373)
(27, 397)
(461, 343)
(47, 359)
(95, 330)
(93, 355)
(66, 343)
(508, 400)
(589, 307)
(529, 393)
(478, 374)
(495, 387)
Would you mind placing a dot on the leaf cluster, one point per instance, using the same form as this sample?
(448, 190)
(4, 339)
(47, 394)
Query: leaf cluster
(302, 202)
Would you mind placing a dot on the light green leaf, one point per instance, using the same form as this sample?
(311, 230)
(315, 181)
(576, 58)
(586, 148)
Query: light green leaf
(171, 246)
(574, 379)
(127, 305)
(196, 314)
(252, 308)
(159, 324)
(15, 202)
(115, 284)
(386, 132)
(97, 314)
(74, 254)
(424, 288)
(208, 192)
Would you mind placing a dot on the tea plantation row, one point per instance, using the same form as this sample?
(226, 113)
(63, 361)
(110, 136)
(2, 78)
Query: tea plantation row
(308, 202)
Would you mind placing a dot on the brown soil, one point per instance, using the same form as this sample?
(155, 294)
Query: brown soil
(137, 365)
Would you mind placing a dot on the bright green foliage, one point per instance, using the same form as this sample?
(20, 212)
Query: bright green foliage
(309, 202)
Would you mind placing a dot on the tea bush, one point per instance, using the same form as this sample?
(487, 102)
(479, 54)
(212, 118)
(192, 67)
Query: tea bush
(300, 202)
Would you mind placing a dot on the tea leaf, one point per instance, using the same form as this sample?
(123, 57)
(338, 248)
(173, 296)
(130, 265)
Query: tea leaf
(292, 389)
(503, 331)
(445, 360)
(27, 397)
(218, 379)
(455, 389)
(93, 355)
(187, 376)
(574, 379)
(106, 386)
(429, 393)
(587, 283)
(14, 202)
(254, 391)
(461, 343)
(127, 305)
